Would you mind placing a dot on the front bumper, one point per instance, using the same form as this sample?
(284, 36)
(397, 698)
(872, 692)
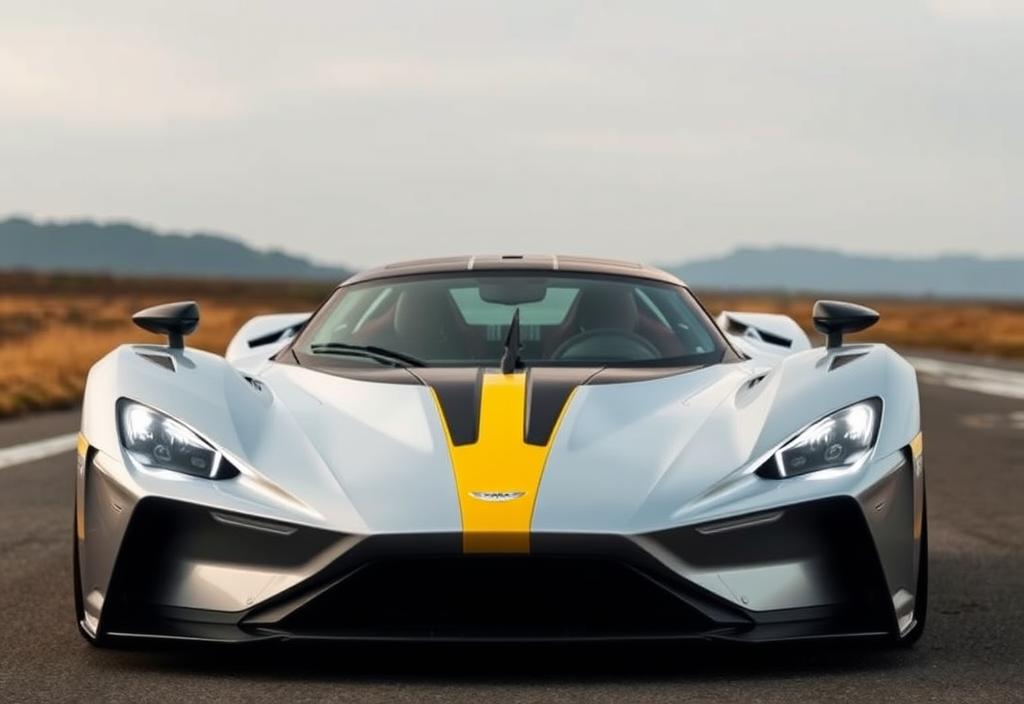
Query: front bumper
(813, 569)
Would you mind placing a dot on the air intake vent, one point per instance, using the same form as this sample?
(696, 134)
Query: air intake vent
(160, 360)
(755, 381)
(532, 597)
(842, 360)
(734, 328)
(774, 339)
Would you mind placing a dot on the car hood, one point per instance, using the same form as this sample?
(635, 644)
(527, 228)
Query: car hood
(627, 453)
(624, 456)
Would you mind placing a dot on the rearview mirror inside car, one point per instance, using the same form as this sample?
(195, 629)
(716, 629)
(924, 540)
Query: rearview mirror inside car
(513, 292)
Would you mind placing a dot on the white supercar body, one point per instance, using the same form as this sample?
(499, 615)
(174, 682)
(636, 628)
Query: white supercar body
(408, 464)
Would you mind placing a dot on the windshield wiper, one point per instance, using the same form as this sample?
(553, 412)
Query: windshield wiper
(510, 359)
(371, 351)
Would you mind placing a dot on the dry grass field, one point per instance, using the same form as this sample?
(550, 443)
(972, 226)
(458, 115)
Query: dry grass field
(991, 328)
(54, 327)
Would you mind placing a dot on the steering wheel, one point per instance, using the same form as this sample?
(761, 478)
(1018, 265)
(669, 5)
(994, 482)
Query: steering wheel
(607, 343)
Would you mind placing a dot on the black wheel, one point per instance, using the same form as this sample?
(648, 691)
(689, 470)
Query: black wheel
(921, 596)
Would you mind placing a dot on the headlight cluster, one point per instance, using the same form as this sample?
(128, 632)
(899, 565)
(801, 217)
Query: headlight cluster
(840, 440)
(157, 441)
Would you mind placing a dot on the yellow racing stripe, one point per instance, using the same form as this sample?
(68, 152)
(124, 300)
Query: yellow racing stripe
(498, 476)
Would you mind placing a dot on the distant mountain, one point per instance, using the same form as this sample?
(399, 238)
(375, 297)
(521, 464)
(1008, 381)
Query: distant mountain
(127, 249)
(795, 269)
(131, 250)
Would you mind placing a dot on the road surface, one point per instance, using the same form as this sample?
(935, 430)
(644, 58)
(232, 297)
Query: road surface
(973, 650)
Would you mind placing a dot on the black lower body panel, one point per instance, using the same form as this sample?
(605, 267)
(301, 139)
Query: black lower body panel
(570, 588)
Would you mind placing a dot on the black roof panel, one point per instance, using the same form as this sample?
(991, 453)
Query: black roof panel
(507, 262)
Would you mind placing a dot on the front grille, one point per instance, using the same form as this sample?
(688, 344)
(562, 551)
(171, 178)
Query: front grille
(495, 597)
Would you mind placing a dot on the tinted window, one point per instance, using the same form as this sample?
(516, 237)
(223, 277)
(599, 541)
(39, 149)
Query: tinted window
(565, 319)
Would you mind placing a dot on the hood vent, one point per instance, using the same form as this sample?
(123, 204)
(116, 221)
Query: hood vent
(160, 360)
(256, 384)
(841, 360)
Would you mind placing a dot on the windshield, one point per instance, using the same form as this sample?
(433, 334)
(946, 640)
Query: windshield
(463, 319)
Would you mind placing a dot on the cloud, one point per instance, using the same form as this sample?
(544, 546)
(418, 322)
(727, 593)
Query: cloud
(978, 9)
(362, 131)
(424, 75)
(90, 77)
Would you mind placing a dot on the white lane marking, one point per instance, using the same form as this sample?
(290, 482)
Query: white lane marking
(970, 377)
(38, 450)
(994, 421)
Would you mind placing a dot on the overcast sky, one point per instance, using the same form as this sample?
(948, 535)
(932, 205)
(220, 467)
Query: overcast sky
(662, 131)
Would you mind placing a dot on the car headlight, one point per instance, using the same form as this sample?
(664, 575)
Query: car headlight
(157, 441)
(840, 440)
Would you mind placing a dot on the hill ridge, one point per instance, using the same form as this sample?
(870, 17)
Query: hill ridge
(85, 246)
(803, 269)
(123, 248)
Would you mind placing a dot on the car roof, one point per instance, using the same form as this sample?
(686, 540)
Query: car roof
(514, 262)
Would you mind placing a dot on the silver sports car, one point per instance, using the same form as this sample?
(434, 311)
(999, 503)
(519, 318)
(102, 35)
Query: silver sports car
(507, 448)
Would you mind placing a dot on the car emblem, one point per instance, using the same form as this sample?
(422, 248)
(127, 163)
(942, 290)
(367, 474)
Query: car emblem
(497, 495)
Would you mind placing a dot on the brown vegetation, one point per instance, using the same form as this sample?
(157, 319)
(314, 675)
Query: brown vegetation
(993, 328)
(54, 327)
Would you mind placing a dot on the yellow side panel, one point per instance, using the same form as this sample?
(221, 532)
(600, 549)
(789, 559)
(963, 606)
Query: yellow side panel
(499, 462)
(917, 445)
(82, 448)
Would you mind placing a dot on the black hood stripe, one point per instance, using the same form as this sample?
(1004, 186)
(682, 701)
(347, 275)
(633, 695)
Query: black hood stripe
(458, 391)
(547, 390)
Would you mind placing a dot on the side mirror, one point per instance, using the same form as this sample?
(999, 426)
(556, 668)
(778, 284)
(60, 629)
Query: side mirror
(836, 318)
(176, 320)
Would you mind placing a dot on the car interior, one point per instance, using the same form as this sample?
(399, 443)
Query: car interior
(450, 320)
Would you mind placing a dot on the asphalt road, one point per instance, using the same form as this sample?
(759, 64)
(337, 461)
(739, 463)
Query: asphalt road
(973, 650)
